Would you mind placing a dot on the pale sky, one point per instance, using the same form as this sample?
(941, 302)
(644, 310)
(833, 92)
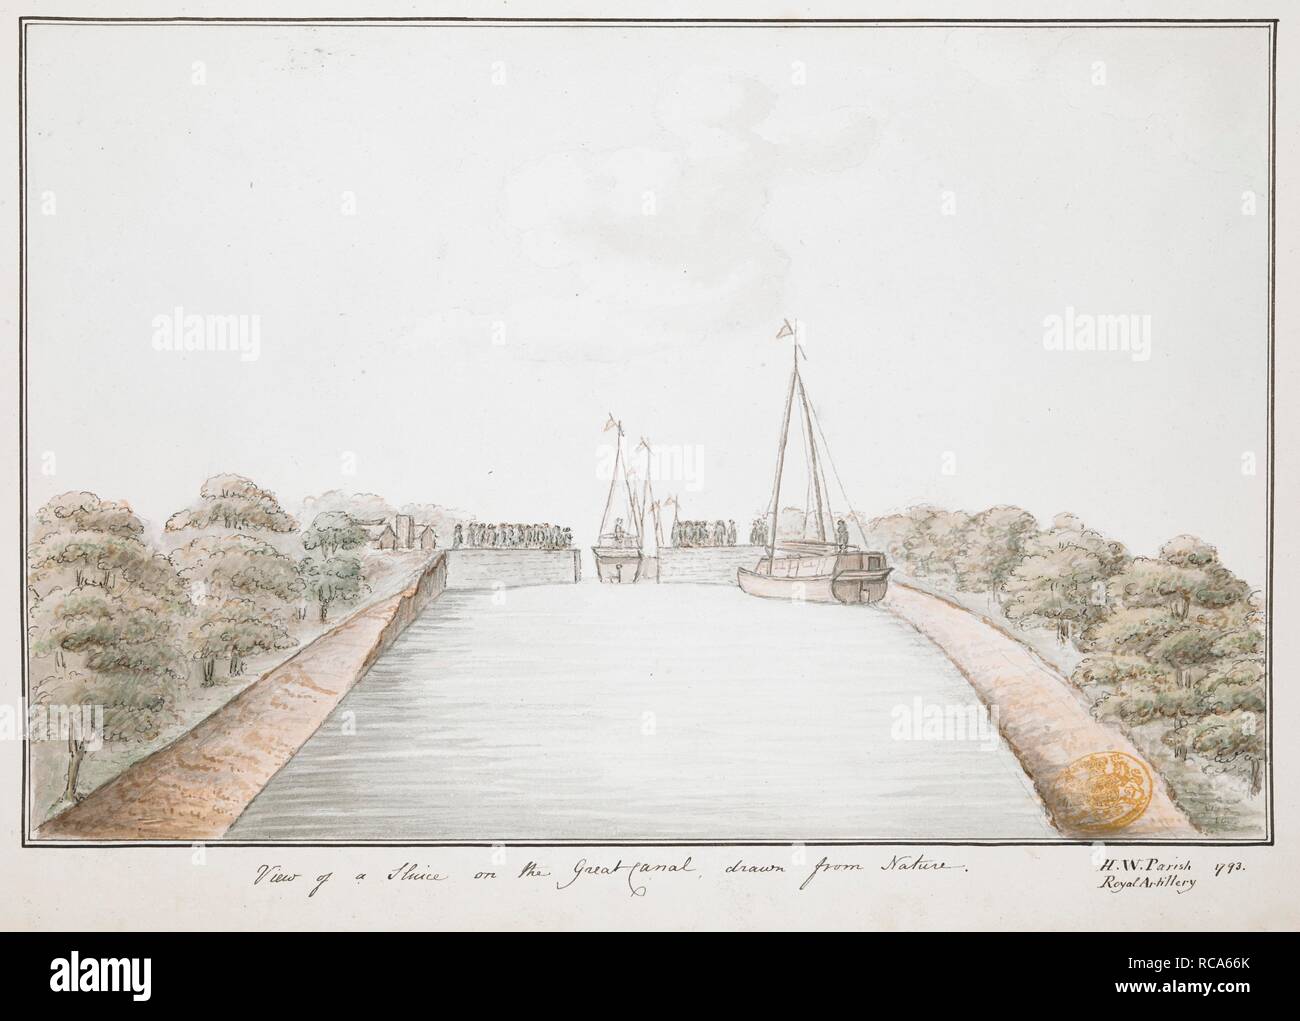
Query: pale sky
(552, 224)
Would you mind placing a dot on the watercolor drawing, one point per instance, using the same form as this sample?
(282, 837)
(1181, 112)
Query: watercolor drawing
(646, 434)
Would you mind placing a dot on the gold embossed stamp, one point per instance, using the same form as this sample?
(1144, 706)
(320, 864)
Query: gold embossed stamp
(1102, 791)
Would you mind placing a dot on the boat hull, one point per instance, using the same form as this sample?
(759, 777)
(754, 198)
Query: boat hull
(848, 578)
(616, 565)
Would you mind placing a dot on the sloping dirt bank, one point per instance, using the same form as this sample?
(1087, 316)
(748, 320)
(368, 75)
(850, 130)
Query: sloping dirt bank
(197, 786)
(1092, 780)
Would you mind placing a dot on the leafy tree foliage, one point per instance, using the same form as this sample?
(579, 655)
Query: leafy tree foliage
(1061, 581)
(336, 579)
(1172, 642)
(236, 503)
(105, 619)
(242, 588)
(333, 531)
(994, 547)
(235, 628)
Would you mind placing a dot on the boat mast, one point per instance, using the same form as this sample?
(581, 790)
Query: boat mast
(786, 330)
(634, 509)
(813, 467)
(648, 501)
(613, 478)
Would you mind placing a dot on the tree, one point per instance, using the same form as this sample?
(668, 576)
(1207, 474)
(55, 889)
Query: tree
(1186, 574)
(1236, 697)
(1128, 630)
(236, 503)
(336, 579)
(1062, 579)
(236, 628)
(241, 586)
(86, 512)
(1148, 703)
(1184, 648)
(995, 546)
(104, 624)
(130, 655)
(937, 540)
(82, 540)
(1229, 741)
(926, 540)
(358, 506)
(333, 531)
(1056, 588)
(1117, 674)
(238, 567)
(889, 533)
(1198, 634)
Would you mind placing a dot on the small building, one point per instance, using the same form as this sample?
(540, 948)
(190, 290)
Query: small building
(374, 530)
(401, 532)
(404, 526)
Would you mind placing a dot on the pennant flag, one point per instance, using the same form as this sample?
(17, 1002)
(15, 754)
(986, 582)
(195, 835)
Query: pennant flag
(786, 330)
(611, 424)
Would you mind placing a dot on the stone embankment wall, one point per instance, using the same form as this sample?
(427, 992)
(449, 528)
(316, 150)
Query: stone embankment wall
(488, 568)
(706, 565)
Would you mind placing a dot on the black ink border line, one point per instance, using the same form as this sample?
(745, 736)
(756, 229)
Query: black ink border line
(789, 23)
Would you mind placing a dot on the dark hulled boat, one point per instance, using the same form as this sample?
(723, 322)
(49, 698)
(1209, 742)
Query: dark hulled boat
(813, 569)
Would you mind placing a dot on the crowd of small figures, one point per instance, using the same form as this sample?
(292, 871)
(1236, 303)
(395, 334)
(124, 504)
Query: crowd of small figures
(704, 533)
(481, 535)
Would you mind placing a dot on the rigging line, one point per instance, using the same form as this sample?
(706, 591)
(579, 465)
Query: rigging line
(648, 501)
(613, 484)
(780, 462)
(826, 489)
(838, 481)
(806, 443)
(633, 510)
(814, 469)
(647, 493)
(808, 499)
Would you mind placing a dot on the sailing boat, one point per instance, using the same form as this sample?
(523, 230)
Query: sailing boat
(618, 550)
(816, 570)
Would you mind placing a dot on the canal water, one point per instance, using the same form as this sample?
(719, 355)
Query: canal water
(650, 712)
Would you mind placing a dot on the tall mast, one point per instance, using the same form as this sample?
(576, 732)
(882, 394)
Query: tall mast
(634, 509)
(813, 467)
(780, 455)
(648, 501)
(613, 479)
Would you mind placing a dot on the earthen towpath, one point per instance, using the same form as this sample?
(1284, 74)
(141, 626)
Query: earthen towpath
(1045, 725)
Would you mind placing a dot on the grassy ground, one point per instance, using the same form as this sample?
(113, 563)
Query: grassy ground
(385, 574)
